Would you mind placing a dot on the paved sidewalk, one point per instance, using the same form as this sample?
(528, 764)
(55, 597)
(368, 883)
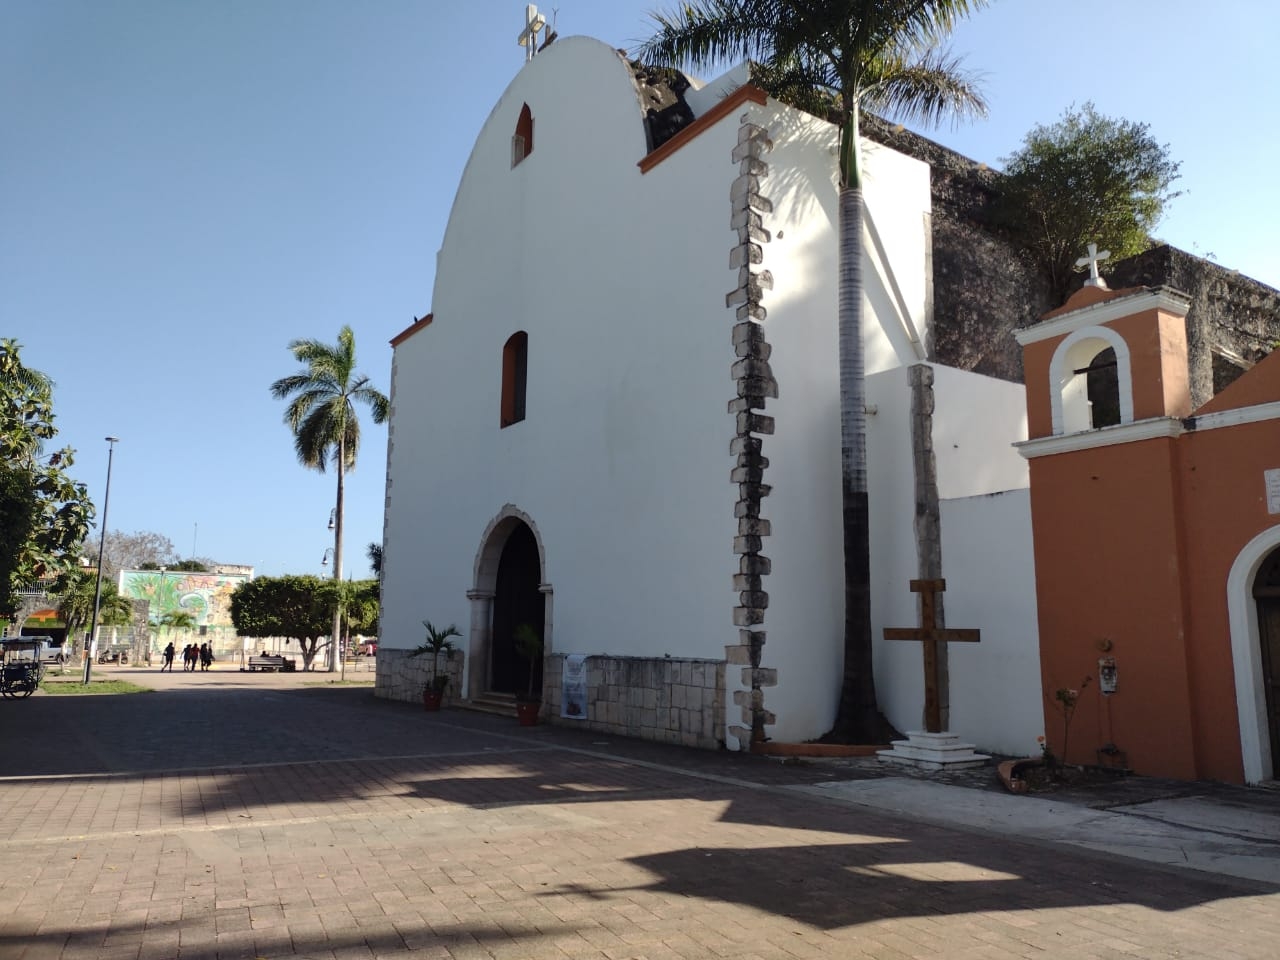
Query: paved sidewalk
(230, 816)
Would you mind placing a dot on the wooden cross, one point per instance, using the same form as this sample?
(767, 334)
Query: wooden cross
(930, 634)
(1092, 261)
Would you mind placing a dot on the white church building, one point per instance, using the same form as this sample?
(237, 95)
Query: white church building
(619, 424)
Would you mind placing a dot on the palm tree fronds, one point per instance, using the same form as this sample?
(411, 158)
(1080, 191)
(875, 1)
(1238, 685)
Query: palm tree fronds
(926, 90)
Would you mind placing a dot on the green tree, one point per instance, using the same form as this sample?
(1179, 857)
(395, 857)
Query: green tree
(1086, 179)
(357, 605)
(44, 514)
(114, 609)
(296, 607)
(176, 620)
(165, 623)
(837, 59)
(192, 566)
(19, 510)
(322, 415)
(75, 593)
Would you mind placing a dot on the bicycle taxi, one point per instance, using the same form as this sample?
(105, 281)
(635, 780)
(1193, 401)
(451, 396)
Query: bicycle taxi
(20, 667)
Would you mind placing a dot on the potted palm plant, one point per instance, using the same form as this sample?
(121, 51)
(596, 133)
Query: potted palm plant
(528, 647)
(437, 642)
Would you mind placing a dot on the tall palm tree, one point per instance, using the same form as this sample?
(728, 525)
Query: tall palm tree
(837, 57)
(322, 415)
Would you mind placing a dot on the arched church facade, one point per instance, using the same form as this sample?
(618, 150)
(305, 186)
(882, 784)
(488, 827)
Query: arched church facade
(629, 371)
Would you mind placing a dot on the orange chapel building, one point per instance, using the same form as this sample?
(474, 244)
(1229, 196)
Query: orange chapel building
(1157, 542)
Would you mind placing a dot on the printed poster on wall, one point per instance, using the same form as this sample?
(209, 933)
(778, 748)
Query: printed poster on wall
(1271, 478)
(573, 687)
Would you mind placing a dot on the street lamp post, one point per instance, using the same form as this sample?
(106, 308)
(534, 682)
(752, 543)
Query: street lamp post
(102, 543)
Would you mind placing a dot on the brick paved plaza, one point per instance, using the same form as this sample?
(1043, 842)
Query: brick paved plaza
(237, 816)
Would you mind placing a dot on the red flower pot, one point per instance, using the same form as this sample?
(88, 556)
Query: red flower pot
(527, 712)
(431, 699)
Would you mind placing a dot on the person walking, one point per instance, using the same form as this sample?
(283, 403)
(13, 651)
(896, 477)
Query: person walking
(206, 657)
(167, 663)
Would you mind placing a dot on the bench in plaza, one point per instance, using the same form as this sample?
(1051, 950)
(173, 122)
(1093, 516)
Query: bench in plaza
(270, 661)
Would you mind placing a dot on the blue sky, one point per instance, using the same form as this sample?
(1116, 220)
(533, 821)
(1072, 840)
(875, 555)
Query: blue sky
(185, 187)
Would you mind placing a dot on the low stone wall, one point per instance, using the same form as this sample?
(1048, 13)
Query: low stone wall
(668, 700)
(401, 677)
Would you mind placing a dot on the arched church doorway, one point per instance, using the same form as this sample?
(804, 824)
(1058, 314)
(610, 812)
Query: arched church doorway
(517, 599)
(1266, 594)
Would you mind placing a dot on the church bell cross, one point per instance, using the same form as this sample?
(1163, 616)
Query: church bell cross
(1092, 261)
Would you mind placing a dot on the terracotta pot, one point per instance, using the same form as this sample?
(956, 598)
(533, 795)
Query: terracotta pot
(431, 699)
(527, 712)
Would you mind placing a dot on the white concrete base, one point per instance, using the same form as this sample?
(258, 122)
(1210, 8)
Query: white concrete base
(932, 751)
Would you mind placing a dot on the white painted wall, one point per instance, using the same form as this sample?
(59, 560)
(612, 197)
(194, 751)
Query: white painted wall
(976, 420)
(623, 463)
(987, 557)
(991, 584)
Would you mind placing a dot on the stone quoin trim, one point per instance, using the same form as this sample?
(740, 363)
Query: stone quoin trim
(754, 380)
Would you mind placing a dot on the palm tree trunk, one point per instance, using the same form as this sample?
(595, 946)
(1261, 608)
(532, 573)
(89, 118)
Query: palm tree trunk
(858, 716)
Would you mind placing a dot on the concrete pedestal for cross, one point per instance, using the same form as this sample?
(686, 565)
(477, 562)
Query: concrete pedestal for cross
(933, 751)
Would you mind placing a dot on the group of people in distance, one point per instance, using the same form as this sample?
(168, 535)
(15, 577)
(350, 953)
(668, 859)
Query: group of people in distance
(192, 655)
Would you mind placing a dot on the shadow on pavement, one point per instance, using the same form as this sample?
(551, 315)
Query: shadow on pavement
(281, 750)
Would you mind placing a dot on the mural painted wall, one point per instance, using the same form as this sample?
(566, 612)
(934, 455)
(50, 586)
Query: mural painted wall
(206, 596)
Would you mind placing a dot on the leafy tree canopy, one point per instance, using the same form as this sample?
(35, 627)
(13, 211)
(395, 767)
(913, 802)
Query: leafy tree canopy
(1086, 179)
(44, 514)
(296, 607)
(176, 620)
(202, 565)
(75, 592)
(358, 602)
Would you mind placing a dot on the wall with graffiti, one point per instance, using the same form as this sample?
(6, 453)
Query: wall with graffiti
(206, 596)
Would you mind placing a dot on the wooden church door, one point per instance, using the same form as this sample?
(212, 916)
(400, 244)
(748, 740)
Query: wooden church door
(516, 600)
(1266, 592)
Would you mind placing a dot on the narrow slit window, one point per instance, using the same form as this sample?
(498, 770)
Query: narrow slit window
(522, 140)
(515, 366)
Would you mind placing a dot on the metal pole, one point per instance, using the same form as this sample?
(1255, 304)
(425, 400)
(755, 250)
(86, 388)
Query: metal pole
(102, 543)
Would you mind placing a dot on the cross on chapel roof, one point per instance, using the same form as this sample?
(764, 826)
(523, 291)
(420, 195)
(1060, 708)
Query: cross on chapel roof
(1092, 261)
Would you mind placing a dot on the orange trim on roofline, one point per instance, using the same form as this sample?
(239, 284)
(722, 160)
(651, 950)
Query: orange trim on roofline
(717, 113)
(408, 332)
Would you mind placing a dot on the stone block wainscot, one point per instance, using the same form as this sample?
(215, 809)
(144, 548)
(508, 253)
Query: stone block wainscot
(402, 677)
(669, 700)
